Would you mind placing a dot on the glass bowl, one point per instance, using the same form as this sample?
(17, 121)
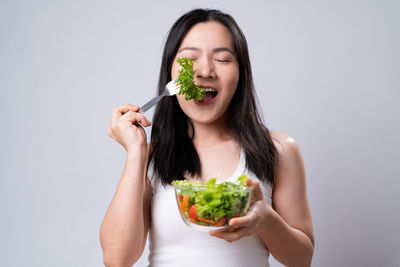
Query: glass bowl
(204, 208)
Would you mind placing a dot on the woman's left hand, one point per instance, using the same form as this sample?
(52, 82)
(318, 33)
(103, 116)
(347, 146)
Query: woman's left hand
(249, 224)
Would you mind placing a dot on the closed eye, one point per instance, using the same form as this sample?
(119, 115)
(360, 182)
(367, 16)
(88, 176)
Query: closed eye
(222, 60)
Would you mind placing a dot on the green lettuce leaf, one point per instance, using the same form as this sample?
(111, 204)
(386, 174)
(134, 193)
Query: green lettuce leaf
(185, 80)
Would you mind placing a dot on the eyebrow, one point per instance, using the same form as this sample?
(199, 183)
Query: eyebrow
(215, 50)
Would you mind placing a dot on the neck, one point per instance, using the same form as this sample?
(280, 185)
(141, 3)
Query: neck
(211, 134)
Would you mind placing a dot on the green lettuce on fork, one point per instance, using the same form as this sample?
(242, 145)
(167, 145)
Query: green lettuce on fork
(185, 80)
(212, 204)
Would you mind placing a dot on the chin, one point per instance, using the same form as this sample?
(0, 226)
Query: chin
(203, 114)
(204, 117)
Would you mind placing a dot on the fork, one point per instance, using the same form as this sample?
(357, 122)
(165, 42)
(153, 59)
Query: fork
(170, 90)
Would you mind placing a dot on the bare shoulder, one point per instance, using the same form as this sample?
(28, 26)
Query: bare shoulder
(286, 146)
(281, 138)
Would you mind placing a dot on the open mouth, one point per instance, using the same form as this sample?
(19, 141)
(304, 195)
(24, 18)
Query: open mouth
(210, 95)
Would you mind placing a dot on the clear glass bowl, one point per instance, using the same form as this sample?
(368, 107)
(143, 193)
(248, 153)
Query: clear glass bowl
(201, 208)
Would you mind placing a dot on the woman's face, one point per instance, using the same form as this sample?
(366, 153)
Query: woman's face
(215, 67)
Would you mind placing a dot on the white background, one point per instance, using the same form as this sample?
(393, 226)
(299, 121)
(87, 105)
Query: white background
(326, 73)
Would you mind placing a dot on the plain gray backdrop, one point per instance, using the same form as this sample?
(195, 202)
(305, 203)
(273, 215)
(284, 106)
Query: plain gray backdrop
(326, 73)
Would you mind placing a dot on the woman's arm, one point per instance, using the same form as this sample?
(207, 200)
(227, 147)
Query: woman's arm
(286, 228)
(124, 229)
(125, 226)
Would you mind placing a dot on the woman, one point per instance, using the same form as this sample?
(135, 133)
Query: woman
(220, 136)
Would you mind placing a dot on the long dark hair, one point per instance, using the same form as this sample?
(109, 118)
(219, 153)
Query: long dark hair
(172, 151)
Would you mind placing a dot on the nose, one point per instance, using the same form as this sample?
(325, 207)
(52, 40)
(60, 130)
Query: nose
(203, 68)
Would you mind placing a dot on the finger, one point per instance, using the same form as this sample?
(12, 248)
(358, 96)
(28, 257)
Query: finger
(257, 193)
(241, 221)
(119, 111)
(134, 117)
(232, 236)
(248, 220)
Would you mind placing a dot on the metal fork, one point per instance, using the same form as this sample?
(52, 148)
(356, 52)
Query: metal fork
(170, 90)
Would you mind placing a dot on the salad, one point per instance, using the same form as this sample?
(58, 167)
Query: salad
(185, 80)
(212, 204)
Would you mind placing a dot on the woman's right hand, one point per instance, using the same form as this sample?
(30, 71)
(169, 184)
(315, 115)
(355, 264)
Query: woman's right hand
(125, 128)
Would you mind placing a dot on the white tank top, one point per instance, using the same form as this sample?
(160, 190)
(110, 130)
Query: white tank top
(174, 244)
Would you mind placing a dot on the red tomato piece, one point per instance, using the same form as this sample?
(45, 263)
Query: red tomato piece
(220, 222)
(193, 213)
